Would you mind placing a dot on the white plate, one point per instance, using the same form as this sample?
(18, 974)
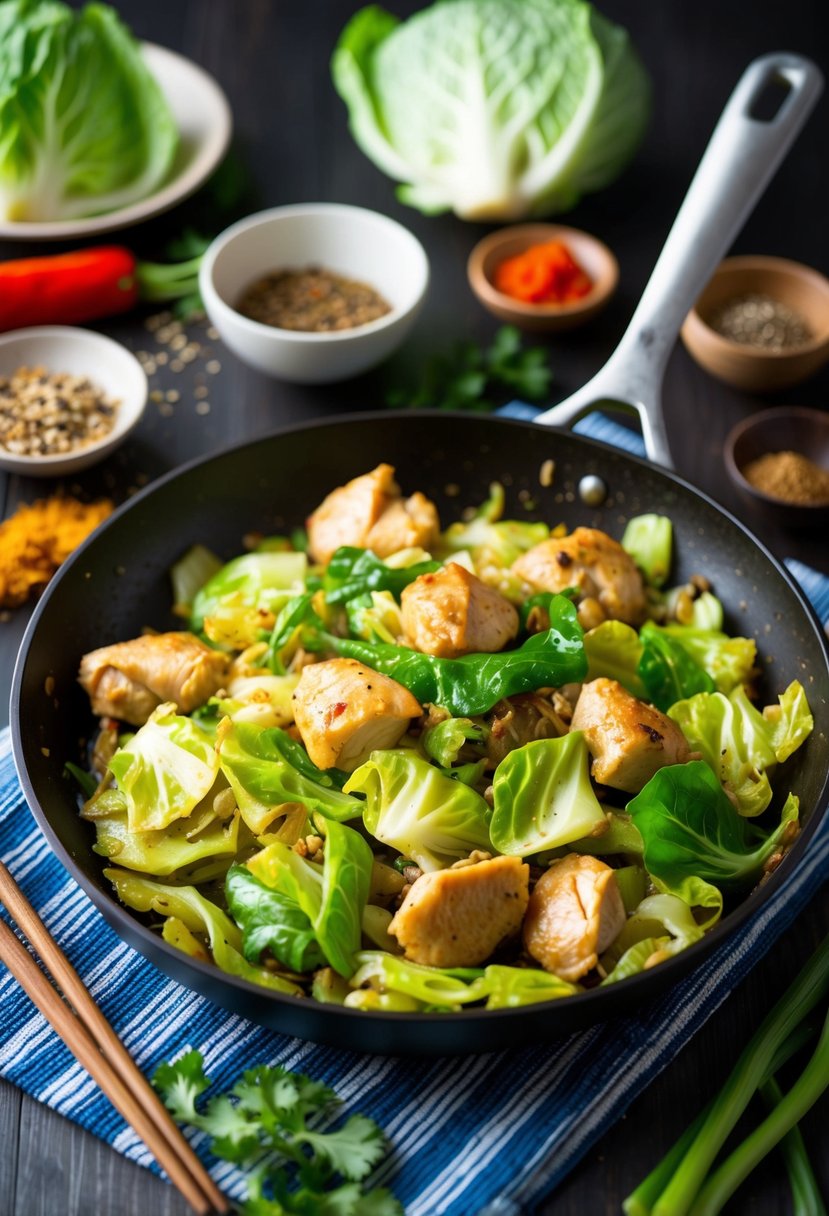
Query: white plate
(202, 115)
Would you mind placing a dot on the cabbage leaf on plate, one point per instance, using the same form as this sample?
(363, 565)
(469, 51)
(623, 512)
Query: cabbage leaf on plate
(84, 125)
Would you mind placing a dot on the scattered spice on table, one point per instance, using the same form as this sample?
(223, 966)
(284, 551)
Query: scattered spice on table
(312, 299)
(789, 476)
(543, 274)
(38, 537)
(760, 321)
(48, 413)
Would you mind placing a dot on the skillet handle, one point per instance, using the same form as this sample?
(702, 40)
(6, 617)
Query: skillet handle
(740, 160)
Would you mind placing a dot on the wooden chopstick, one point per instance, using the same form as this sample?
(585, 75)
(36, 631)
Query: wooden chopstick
(88, 1035)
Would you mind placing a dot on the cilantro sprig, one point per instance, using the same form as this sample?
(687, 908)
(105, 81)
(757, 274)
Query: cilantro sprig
(282, 1128)
(464, 377)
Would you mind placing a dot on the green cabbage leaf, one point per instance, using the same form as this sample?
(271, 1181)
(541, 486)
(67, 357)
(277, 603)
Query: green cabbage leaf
(543, 797)
(353, 572)
(667, 670)
(494, 109)
(695, 843)
(728, 661)
(165, 769)
(419, 811)
(661, 926)
(271, 920)
(266, 769)
(84, 125)
(199, 915)
(239, 601)
(439, 989)
(649, 541)
(742, 745)
(332, 896)
(488, 539)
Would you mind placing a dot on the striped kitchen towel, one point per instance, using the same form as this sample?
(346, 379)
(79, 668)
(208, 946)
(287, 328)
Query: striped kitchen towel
(462, 1145)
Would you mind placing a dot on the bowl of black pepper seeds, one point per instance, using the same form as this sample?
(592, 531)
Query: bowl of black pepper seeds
(68, 397)
(761, 324)
(315, 292)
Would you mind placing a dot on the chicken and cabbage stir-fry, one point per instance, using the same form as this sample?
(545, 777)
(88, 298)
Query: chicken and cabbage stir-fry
(406, 769)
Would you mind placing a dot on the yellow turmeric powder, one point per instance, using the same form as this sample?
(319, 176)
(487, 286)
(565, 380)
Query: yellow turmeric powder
(37, 538)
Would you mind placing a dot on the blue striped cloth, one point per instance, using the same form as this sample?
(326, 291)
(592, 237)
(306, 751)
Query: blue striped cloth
(492, 1134)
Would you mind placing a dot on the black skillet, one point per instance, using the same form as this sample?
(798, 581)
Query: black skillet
(118, 583)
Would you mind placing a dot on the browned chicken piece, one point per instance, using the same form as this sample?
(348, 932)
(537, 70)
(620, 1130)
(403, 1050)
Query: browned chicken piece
(406, 524)
(130, 679)
(451, 612)
(593, 562)
(574, 913)
(370, 513)
(627, 738)
(345, 711)
(457, 917)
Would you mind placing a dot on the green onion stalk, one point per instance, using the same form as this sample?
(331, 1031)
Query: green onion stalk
(678, 1186)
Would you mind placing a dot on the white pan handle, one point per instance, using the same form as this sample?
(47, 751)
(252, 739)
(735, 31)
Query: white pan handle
(740, 160)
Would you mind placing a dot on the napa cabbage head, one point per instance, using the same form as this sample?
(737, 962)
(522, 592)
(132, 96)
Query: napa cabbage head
(495, 109)
(84, 126)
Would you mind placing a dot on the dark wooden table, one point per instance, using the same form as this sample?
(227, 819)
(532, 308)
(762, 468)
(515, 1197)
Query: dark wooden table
(292, 140)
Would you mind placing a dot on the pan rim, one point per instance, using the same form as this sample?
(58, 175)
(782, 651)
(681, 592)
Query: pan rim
(657, 979)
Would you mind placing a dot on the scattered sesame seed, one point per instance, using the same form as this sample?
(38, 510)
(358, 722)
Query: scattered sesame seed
(176, 366)
(202, 407)
(213, 367)
(201, 391)
(173, 395)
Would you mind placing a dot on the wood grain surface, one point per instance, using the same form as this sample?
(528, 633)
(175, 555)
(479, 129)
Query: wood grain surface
(291, 138)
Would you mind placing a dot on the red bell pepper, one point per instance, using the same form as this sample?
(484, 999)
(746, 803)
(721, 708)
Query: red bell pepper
(69, 288)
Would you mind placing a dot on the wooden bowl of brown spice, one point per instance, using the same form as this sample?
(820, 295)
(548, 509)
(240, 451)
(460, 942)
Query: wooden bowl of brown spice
(779, 461)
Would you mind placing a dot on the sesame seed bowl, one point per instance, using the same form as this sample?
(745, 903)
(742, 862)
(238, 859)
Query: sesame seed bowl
(68, 397)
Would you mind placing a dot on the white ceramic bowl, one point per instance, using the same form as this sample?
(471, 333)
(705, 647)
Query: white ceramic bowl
(349, 241)
(108, 364)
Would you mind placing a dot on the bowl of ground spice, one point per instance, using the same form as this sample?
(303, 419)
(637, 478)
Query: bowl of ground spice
(68, 397)
(761, 324)
(779, 461)
(314, 293)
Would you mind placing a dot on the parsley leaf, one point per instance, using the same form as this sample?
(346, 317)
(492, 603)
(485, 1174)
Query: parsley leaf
(283, 1128)
(181, 1084)
(462, 378)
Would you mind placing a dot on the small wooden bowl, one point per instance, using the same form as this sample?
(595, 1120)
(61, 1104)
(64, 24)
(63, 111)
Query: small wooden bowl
(804, 290)
(788, 428)
(590, 253)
